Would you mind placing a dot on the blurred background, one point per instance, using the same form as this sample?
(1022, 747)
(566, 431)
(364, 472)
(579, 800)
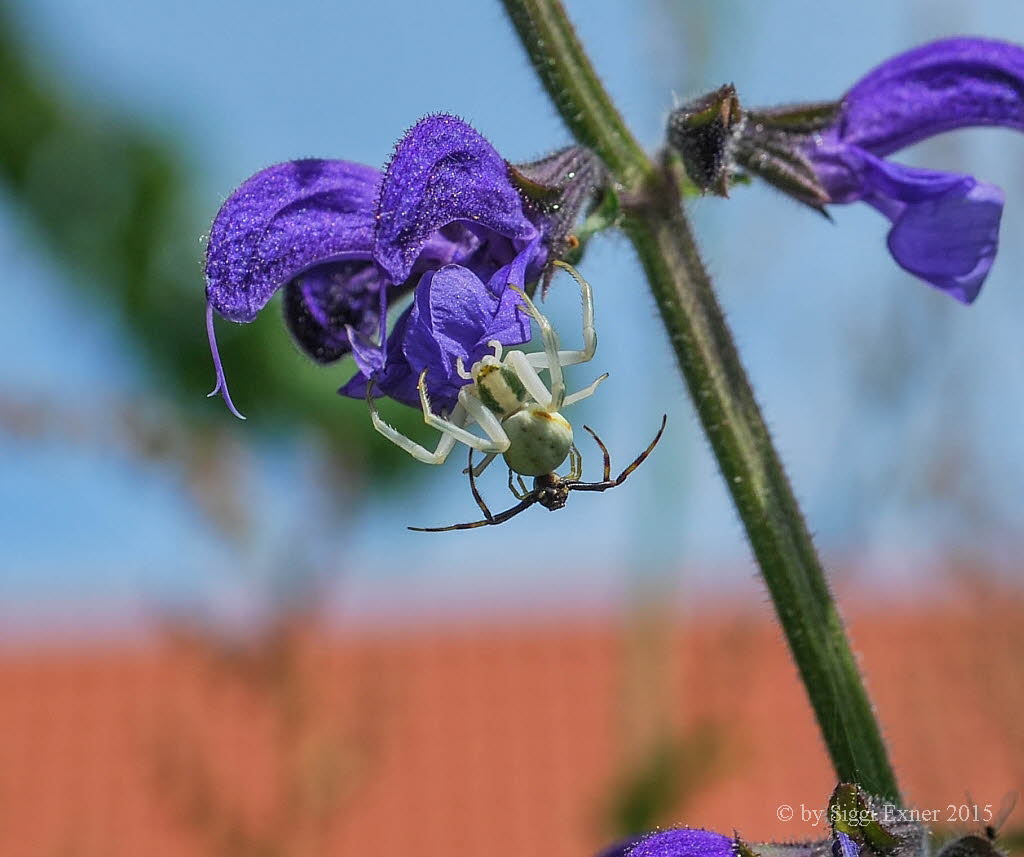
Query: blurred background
(219, 638)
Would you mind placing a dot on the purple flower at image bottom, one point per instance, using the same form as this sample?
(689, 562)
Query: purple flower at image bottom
(684, 842)
(690, 842)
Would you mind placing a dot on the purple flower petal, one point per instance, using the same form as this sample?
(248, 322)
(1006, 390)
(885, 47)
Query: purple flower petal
(684, 843)
(950, 240)
(320, 304)
(283, 221)
(355, 387)
(385, 365)
(945, 226)
(844, 846)
(450, 312)
(954, 83)
(455, 315)
(369, 356)
(510, 325)
(442, 171)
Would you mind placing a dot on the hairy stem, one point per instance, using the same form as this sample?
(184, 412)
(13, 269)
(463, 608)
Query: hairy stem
(655, 222)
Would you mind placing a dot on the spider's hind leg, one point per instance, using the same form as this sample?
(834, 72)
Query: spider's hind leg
(643, 455)
(483, 465)
(575, 463)
(521, 492)
(604, 452)
(476, 491)
(589, 390)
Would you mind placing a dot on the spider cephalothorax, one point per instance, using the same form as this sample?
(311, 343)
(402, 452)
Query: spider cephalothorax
(517, 411)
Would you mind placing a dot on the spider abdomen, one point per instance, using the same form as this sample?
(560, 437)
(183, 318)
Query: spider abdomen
(539, 441)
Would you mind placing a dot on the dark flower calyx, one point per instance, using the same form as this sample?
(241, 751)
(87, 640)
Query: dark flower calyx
(555, 190)
(772, 145)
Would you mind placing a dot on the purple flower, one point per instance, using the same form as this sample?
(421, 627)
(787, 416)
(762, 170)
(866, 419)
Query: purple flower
(844, 846)
(343, 240)
(684, 842)
(945, 226)
(687, 842)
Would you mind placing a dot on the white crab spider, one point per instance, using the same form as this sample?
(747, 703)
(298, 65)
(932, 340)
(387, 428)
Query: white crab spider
(509, 401)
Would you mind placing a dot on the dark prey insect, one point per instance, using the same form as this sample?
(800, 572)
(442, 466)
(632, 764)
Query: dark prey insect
(975, 845)
(549, 489)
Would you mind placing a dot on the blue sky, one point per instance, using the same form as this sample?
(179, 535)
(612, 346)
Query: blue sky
(872, 382)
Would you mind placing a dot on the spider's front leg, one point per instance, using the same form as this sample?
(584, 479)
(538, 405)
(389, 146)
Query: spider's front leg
(550, 340)
(542, 360)
(483, 465)
(444, 447)
(495, 442)
(527, 373)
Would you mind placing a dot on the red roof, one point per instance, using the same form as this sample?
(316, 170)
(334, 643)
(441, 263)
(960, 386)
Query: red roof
(484, 741)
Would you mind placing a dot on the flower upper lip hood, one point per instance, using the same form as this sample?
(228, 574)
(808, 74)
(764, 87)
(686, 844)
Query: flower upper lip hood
(281, 223)
(444, 172)
(342, 238)
(945, 225)
(937, 87)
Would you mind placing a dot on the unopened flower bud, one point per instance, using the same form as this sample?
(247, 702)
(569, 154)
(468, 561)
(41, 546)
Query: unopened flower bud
(702, 132)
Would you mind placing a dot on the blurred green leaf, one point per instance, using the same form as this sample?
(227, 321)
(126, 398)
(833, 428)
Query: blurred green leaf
(652, 791)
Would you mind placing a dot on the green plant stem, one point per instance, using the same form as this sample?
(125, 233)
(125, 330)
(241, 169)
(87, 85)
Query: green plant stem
(653, 218)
